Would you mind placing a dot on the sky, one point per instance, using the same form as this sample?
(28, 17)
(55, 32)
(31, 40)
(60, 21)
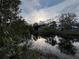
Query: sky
(41, 10)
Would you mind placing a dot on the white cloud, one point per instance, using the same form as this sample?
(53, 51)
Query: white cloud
(35, 14)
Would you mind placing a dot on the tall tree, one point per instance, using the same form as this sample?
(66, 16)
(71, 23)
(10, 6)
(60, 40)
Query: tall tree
(67, 20)
(13, 29)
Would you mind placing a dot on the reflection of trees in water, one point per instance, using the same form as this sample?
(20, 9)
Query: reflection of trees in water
(67, 47)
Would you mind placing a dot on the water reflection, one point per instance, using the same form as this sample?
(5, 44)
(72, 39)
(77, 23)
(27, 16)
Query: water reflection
(64, 49)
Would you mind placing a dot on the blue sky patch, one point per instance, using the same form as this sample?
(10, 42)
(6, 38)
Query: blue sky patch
(49, 3)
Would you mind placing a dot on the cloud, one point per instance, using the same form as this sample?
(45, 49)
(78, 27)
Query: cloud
(34, 11)
(65, 6)
(36, 16)
(30, 10)
(30, 5)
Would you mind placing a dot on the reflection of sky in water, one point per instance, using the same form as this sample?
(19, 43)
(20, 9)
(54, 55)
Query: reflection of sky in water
(47, 48)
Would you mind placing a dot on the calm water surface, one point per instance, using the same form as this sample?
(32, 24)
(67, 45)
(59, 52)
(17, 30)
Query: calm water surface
(41, 45)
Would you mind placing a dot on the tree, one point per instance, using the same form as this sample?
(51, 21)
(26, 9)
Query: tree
(67, 20)
(13, 29)
(35, 30)
(53, 25)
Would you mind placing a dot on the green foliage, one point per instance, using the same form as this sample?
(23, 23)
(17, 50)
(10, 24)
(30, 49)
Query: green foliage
(69, 34)
(48, 32)
(13, 29)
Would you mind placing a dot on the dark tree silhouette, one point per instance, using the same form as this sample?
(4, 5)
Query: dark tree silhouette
(67, 20)
(53, 25)
(13, 29)
(35, 31)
